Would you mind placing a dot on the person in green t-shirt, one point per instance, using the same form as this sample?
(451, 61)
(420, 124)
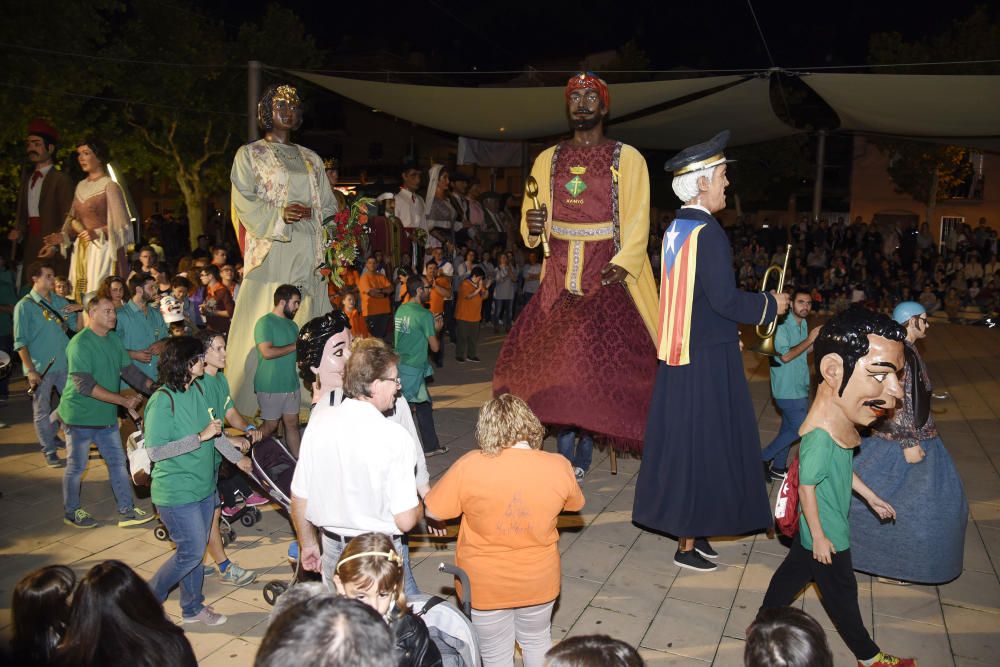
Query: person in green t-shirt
(858, 358)
(416, 330)
(182, 438)
(276, 380)
(97, 362)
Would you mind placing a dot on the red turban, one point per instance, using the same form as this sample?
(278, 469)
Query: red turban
(589, 80)
(41, 128)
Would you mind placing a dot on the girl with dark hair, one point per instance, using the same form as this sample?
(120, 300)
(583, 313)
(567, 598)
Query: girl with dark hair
(786, 636)
(593, 651)
(40, 610)
(182, 435)
(115, 618)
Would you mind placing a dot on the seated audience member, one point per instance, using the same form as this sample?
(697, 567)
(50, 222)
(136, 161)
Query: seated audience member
(371, 571)
(786, 636)
(327, 631)
(115, 619)
(39, 612)
(510, 493)
(593, 651)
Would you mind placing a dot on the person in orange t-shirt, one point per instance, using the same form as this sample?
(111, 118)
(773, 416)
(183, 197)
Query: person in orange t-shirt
(349, 276)
(510, 495)
(376, 294)
(359, 328)
(440, 290)
(468, 313)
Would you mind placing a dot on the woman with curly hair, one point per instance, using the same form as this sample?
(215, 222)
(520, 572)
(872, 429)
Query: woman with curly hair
(510, 493)
(182, 435)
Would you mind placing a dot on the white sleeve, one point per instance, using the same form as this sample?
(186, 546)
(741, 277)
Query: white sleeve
(302, 479)
(401, 482)
(405, 419)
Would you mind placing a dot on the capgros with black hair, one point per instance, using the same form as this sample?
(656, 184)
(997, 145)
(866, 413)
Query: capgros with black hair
(312, 339)
(847, 335)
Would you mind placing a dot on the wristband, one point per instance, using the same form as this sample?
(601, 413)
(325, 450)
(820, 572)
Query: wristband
(249, 428)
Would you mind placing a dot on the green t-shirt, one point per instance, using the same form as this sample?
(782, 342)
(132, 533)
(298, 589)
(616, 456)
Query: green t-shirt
(216, 390)
(275, 376)
(138, 331)
(191, 477)
(103, 358)
(829, 467)
(413, 324)
(790, 380)
(38, 329)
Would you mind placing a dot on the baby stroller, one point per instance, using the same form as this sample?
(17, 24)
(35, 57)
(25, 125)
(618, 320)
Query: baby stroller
(451, 630)
(273, 468)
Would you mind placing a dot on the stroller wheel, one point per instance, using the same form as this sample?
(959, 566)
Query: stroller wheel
(248, 519)
(256, 515)
(226, 539)
(272, 590)
(161, 533)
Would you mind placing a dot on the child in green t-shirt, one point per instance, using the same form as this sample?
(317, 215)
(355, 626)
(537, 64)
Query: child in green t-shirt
(858, 356)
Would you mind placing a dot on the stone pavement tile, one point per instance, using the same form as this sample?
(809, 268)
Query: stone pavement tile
(733, 551)
(756, 578)
(973, 634)
(776, 547)
(730, 653)
(969, 662)
(912, 603)
(660, 659)
(235, 653)
(253, 595)
(717, 588)
(262, 553)
(568, 534)
(134, 551)
(686, 628)
(976, 556)
(624, 500)
(602, 481)
(432, 581)
(103, 537)
(206, 640)
(909, 639)
(614, 528)
(574, 597)
(973, 590)
(595, 620)
(985, 514)
(653, 553)
(592, 560)
(991, 541)
(633, 592)
(598, 502)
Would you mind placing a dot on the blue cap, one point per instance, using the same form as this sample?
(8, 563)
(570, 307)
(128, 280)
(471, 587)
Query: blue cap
(907, 309)
(700, 156)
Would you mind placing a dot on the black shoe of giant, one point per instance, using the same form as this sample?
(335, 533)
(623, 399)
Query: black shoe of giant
(691, 560)
(705, 549)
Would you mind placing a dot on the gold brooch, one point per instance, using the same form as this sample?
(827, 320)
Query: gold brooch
(578, 171)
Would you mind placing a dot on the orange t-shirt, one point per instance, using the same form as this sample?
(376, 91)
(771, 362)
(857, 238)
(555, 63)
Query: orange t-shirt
(374, 305)
(359, 328)
(468, 309)
(508, 542)
(437, 299)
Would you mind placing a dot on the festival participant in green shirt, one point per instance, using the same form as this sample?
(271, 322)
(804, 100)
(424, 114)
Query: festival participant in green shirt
(43, 322)
(97, 362)
(140, 324)
(182, 437)
(276, 380)
(416, 330)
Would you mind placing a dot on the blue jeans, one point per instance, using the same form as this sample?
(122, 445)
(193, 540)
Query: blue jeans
(584, 448)
(189, 527)
(109, 444)
(333, 548)
(41, 408)
(793, 413)
(502, 312)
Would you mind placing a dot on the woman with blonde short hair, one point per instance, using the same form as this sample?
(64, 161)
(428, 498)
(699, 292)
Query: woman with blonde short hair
(509, 494)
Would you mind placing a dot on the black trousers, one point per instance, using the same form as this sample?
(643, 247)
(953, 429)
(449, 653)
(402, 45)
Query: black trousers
(425, 424)
(838, 591)
(231, 483)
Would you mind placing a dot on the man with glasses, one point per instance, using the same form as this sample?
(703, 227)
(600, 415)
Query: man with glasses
(790, 382)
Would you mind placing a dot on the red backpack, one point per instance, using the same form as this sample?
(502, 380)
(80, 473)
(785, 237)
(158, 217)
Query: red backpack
(786, 507)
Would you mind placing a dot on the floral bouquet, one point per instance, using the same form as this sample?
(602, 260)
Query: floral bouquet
(342, 235)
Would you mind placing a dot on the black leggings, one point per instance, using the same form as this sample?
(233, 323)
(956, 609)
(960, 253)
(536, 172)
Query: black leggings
(838, 592)
(229, 485)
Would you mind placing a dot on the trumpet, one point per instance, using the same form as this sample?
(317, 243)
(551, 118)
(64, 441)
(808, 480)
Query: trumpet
(766, 332)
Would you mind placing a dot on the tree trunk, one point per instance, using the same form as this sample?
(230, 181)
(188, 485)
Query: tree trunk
(194, 201)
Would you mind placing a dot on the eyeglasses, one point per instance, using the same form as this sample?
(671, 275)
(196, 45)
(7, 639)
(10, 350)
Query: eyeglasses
(399, 383)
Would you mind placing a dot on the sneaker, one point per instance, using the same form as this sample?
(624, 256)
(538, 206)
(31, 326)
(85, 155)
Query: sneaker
(580, 474)
(886, 660)
(460, 360)
(293, 551)
(134, 517)
(209, 570)
(691, 560)
(230, 512)
(779, 474)
(237, 576)
(60, 443)
(705, 549)
(474, 359)
(435, 452)
(256, 499)
(52, 460)
(207, 615)
(79, 519)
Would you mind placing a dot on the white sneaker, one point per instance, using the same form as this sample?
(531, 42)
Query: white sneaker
(207, 615)
(580, 474)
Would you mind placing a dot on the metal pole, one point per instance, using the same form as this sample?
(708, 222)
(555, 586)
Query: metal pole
(818, 186)
(253, 95)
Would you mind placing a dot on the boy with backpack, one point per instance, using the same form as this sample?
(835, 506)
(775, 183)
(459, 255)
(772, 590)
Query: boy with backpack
(858, 356)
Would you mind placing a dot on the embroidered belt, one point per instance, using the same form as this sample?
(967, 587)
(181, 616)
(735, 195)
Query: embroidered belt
(577, 235)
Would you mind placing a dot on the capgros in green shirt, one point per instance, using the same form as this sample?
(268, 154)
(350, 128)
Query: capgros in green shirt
(829, 467)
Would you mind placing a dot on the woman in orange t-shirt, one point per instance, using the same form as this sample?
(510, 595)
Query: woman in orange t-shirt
(510, 494)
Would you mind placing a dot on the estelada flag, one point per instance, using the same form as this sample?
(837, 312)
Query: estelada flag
(678, 262)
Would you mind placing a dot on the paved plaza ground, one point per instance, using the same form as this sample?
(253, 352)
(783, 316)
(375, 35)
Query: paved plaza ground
(617, 579)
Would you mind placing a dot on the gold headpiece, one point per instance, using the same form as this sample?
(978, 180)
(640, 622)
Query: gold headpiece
(287, 93)
(390, 556)
(330, 164)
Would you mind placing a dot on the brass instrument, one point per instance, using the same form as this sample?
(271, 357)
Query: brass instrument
(766, 332)
(531, 189)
